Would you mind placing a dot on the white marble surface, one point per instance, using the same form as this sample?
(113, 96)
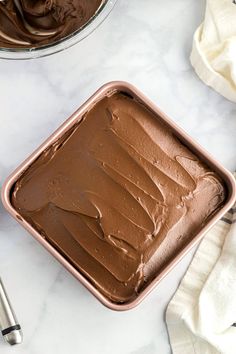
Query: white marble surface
(144, 42)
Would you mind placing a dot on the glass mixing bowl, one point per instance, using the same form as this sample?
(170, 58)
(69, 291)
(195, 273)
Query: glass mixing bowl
(64, 43)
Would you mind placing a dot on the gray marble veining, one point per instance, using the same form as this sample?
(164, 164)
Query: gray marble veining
(147, 43)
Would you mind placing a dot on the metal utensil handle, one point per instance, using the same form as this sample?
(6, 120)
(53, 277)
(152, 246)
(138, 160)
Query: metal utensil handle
(10, 327)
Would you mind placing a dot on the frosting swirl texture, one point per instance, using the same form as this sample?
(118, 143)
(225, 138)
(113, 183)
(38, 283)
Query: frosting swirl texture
(33, 23)
(118, 196)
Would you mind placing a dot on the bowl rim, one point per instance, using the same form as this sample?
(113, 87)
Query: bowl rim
(64, 43)
(106, 90)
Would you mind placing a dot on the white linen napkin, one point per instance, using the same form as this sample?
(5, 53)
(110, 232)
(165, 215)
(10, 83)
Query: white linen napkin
(201, 315)
(214, 48)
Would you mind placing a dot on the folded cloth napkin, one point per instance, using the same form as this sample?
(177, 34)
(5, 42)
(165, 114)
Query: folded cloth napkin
(214, 48)
(201, 315)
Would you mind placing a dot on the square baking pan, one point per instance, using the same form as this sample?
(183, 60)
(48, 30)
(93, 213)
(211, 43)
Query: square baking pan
(130, 91)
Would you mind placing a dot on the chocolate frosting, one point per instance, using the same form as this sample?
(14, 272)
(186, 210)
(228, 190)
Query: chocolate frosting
(118, 195)
(33, 23)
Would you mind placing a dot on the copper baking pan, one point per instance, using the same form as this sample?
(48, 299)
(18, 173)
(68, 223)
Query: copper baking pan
(183, 137)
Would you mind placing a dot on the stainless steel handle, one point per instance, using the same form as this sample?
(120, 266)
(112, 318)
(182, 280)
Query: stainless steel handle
(9, 325)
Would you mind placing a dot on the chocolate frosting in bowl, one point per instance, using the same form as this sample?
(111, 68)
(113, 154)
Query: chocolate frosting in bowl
(34, 23)
(118, 195)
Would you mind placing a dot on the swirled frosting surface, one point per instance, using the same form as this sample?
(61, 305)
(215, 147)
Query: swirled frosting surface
(33, 23)
(118, 196)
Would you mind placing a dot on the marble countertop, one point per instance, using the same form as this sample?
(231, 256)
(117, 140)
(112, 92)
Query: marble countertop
(146, 43)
